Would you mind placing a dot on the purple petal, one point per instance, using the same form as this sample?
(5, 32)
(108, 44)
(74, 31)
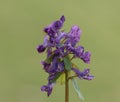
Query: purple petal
(73, 36)
(45, 42)
(57, 25)
(49, 51)
(60, 67)
(83, 75)
(90, 77)
(75, 33)
(51, 76)
(86, 71)
(47, 88)
(86, 57)
(62, 19)
(54, 28)
(40, 48)
(79, 51)
(46, 66)
(54, 65)
(77, 72)
(59, 37)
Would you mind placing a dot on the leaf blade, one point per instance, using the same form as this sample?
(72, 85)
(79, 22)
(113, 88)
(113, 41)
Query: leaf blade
(77, 89)
(67, 62)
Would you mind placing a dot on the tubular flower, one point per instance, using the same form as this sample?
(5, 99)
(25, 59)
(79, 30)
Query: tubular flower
(74, 36)
(47, 88)
(53, 28)
(42, 47)
(83, 75)
(61, 48)
(86, 57)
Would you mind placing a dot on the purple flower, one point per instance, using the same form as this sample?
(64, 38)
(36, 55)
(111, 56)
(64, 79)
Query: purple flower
(46, 66)
(62, 19)
(41, 48)
(54, 65)
(51, 76)
(60, 66)
(83, 75)
(79, 51)
(74, 35)
(60, 36)
(53, 28)
(59, 51)
(49, 52)
(57, 66)
(86, 57)
(47, 88)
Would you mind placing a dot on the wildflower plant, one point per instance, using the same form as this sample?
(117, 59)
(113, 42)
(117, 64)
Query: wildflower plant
(61, 48)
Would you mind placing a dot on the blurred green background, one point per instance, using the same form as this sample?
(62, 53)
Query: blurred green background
(21, 25)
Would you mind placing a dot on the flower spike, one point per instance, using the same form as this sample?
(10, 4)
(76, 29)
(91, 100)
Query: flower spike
(61, 48)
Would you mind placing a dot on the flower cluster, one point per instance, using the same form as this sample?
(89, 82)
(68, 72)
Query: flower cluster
(61, 48)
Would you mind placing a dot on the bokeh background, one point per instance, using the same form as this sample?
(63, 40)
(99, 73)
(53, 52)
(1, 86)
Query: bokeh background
(21, 25)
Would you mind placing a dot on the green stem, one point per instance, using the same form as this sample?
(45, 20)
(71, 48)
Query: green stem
(66, 87)
(72, 77)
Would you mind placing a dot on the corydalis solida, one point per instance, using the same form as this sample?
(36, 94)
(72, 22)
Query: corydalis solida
(61, 48)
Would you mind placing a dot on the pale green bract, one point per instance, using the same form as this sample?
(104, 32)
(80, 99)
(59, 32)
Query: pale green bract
(77, 89)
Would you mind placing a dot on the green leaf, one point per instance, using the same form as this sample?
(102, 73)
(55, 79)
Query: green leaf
(49, 59)
(56, 77)
(77, 89)
(67, 63)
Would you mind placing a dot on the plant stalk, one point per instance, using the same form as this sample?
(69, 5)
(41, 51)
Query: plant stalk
(66, 87)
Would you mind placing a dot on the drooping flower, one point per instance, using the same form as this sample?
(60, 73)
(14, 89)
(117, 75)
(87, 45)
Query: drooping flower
(83, 75)
(79, 51)
(47, 88)
(42, 47)
(86, 57)
(46, 66)
(53, 28)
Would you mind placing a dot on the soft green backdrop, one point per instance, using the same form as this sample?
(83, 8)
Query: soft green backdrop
(21, 25)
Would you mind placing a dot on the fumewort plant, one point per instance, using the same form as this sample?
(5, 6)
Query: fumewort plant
(61, 48)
